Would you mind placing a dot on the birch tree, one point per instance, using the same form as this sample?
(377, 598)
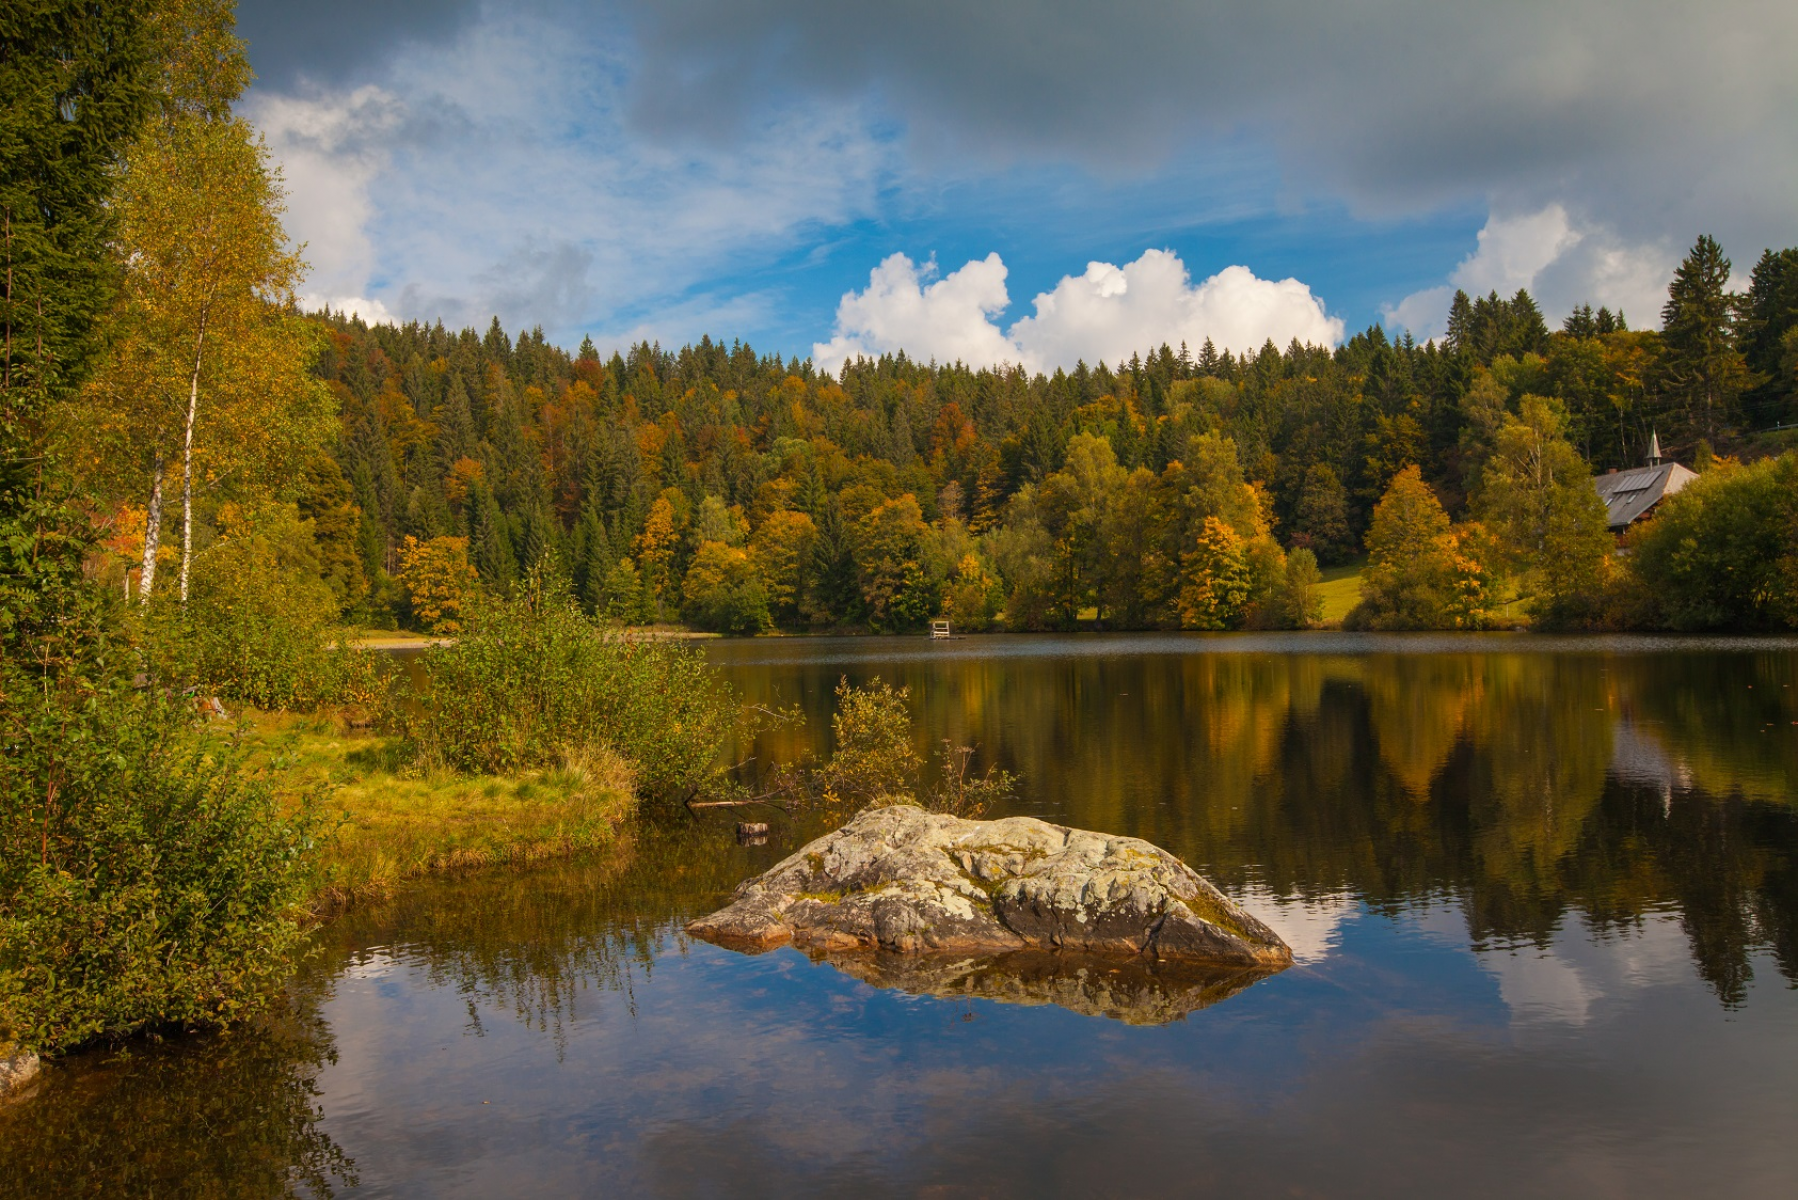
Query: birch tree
(208, 381)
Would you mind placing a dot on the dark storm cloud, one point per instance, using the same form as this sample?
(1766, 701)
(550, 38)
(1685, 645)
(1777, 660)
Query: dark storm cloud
(333, 40)
(1400, 104)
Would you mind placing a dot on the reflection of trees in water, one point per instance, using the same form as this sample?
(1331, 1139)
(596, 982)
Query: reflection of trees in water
(1484, 775)
(216, 1116)
(535, 943)
(1726, 720)
(1729, 866)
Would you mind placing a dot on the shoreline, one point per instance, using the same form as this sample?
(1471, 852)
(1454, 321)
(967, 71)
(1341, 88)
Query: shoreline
(388, 824)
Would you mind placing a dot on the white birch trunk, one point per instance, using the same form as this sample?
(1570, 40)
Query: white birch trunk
(146, 582)
(187, 467)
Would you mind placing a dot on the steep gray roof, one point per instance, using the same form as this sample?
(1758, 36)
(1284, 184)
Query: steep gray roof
(1628, 495)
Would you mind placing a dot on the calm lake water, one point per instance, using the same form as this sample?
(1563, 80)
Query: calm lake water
(1543, 894)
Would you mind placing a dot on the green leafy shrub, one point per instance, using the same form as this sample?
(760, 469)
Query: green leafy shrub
(873, 761)
(1720, 554)
(143, 882)
(872, 758)
(260, 624)
(532, 679)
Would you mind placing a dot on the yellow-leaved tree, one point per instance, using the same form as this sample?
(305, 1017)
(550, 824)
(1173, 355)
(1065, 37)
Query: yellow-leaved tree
(209, 379)
(1422, 571)
(439, 582)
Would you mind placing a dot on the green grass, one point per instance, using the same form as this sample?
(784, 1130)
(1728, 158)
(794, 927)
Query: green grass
(386, 823)
(1341, 590)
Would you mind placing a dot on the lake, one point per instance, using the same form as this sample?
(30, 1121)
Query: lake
(1543, 895)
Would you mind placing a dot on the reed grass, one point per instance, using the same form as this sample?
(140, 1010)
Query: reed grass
(386, 822)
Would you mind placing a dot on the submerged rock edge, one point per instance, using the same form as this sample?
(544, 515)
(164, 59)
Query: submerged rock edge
(17, 1069)
(900, 879)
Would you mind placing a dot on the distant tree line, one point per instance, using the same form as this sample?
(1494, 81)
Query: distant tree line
(1185, 489)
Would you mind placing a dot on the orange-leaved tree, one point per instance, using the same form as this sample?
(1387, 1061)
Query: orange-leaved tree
(439, 582)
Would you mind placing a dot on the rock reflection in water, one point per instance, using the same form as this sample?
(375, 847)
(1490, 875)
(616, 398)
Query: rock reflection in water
(1134, 991)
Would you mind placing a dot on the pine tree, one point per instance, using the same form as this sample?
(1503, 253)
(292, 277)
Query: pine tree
(1458, 337)
(1528, 332)
(590, 554)
(493, 555)
(1769, 315)
(455, 424)
(1321, 521)
(1702, 370)
(75, 85)
(1208, 363)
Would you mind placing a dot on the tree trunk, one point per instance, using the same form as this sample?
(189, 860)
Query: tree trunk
(187, 467)
(152, 531)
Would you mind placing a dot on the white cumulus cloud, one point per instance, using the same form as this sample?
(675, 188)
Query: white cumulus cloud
(1561, 263)
(330, 148)
(949, 320)
(1104, 315)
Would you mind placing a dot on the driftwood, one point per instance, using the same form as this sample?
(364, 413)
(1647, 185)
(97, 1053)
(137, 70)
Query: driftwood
(743, 803)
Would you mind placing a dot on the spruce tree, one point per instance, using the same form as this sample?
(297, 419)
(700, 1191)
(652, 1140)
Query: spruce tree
(1702, 370)
(75, 85)
(1528, 332)
(490, 540)
(1769, 315)
(1459, 335)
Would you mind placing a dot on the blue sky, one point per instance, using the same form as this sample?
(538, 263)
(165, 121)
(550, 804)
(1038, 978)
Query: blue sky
(1017, 180)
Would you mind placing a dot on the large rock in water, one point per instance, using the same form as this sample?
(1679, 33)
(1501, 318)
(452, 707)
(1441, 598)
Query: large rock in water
(902, 880)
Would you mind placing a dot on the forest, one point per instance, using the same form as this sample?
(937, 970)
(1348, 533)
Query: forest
(1187, 488)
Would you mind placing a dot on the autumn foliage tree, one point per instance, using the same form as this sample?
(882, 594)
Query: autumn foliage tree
(1422, 573)
(722, 591)
(1536, 498)
(209, 376)
(439, 581)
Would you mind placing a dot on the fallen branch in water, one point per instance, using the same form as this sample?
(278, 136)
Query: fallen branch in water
(742, 803)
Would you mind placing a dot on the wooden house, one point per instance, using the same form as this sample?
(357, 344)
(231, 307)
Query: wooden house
(1631, 495)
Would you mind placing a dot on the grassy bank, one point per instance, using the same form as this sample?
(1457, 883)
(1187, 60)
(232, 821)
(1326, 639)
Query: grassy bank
(385, 824)
(1341, 591)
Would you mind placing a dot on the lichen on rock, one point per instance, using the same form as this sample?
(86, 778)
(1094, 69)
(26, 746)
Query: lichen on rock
(898, 879)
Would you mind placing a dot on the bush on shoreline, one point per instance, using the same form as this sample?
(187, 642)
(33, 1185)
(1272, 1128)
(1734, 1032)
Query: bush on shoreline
(1722, 554)
(260, 625)
(532, 681)
(145, 880)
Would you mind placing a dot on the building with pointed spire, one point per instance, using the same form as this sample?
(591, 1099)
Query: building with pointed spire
(1631, 495)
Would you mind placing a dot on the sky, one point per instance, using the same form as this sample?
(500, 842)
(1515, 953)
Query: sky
(1017, 181)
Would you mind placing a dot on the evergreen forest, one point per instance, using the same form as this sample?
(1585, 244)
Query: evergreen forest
(1186, 488)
